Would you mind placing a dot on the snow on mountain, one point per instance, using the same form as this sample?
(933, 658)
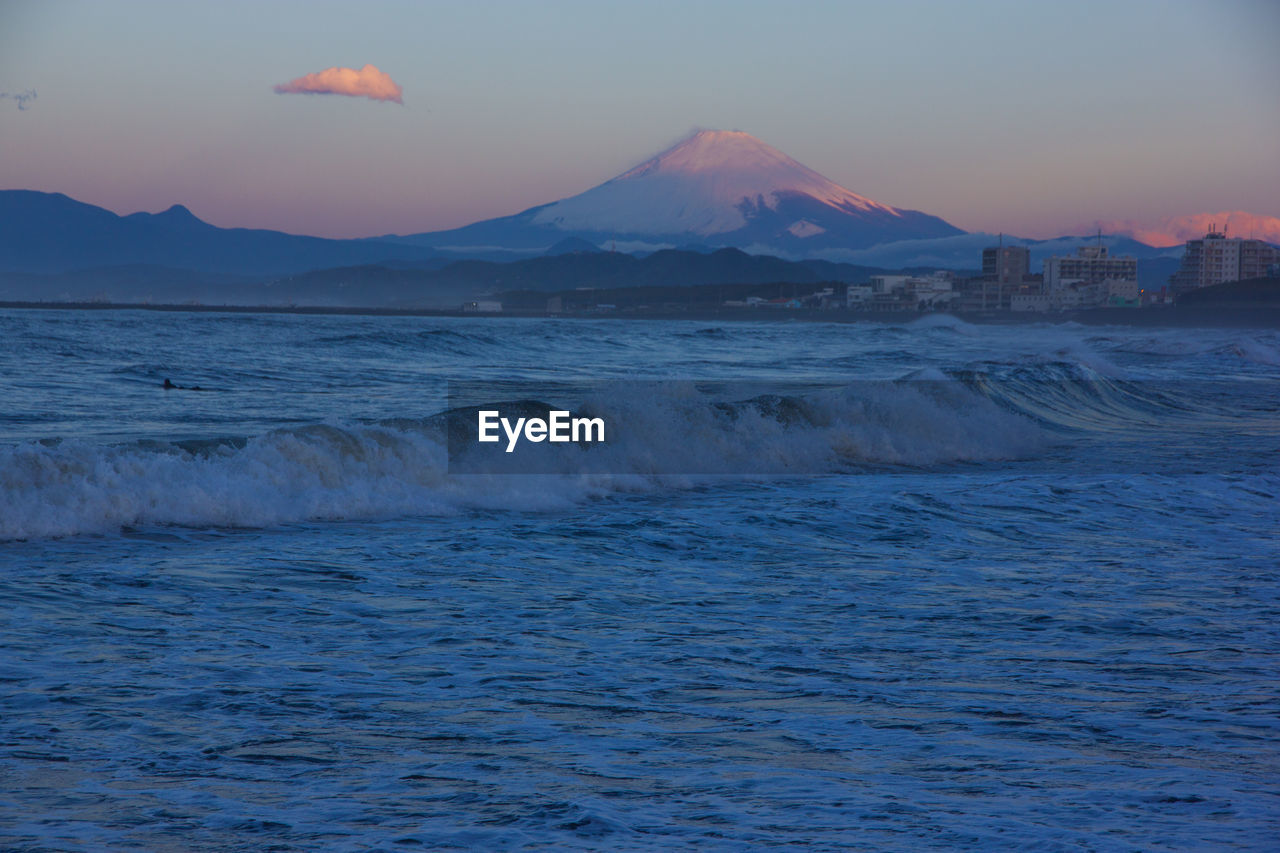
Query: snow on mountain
(707, 184)
(719, 188)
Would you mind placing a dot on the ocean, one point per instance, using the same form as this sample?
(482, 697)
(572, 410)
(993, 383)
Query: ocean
(869, 586)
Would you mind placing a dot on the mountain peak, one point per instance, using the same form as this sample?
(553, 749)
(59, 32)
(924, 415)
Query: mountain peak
(179, 213)
(707, 150)
(714, 188)
(712, 182)
(175, 216)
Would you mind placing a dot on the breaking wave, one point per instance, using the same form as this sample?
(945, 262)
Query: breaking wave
(674, 435)
(664, 435)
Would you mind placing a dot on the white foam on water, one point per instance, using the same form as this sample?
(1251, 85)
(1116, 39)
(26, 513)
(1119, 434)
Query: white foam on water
(673, 434)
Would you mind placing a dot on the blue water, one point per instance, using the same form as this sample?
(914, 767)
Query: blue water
(1043, 612)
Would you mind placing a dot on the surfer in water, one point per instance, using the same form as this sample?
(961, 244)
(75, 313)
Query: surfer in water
(169, 386)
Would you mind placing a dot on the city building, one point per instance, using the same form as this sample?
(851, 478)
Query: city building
(1089, 265)
(935, 290)
(1006, 264)
(1123, 293)
(902, 292)
(1006, 270)
(1075, 295)
(857, 295)
(1217, 258)
(1030, 302)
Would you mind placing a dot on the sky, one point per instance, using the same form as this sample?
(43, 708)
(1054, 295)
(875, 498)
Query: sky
(1029, 118)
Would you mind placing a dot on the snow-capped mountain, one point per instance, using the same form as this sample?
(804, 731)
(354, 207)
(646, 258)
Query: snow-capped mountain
(715, 188)
(714, 182)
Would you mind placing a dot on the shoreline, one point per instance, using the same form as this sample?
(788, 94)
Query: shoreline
(1262, 316)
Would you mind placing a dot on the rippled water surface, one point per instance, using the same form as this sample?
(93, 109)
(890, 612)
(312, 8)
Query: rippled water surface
(265, 615)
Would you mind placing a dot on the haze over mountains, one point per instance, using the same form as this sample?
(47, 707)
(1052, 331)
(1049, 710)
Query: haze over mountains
(714, 190)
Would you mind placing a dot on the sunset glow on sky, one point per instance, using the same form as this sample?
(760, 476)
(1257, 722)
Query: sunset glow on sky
(1028, 118)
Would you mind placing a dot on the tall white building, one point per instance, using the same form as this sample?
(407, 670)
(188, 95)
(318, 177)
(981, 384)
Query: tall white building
(1217, 258)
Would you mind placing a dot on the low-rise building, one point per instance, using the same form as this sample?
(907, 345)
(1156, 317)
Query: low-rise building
(935, 290)
(1075, 295)
(888, 283)
(1123, 293)
(1029, 301)
(824, 298)
(857, 295)
(1091, 265)
(904, 292)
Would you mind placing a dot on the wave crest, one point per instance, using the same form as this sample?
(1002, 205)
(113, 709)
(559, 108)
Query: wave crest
(329, 472)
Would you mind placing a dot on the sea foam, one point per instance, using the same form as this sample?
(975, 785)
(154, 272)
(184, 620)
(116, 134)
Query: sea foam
(674, 434)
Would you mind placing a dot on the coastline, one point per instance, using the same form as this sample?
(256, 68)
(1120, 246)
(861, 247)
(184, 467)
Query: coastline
(1245, 316)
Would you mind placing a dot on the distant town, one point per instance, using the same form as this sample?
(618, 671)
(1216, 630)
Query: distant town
(1091, 278)
(56, 252)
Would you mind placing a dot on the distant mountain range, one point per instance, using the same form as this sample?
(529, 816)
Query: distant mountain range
(681, 217)
(52, 233)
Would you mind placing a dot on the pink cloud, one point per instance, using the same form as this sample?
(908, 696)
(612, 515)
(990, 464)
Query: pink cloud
(1175, 230)
(368, 82)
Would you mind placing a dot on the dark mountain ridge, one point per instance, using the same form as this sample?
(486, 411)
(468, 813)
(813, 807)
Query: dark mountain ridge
(52, 233)
(376, 285)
